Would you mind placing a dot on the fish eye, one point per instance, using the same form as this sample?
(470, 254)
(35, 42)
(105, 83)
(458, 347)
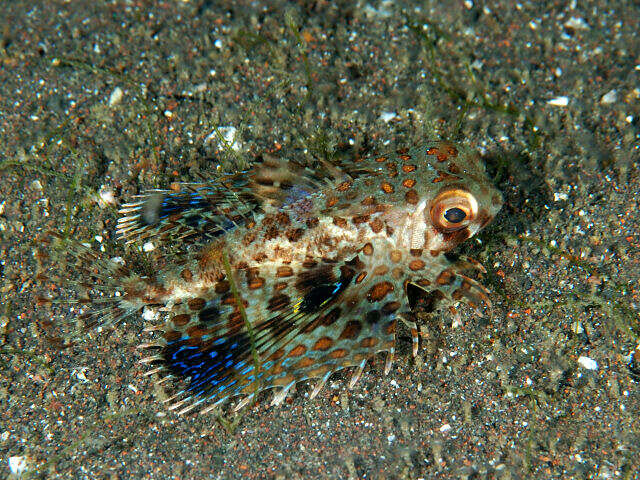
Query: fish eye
(455, 215)
(453, 209)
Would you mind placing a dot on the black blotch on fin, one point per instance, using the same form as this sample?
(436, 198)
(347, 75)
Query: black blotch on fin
(321, 283)
(209, 315)
(191, 210)
(318, 296)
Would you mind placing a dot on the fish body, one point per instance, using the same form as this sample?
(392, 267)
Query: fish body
(298, 272)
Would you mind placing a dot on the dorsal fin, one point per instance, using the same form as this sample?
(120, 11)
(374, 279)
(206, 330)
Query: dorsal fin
(192, 211)
(279, 181)
(202, 211)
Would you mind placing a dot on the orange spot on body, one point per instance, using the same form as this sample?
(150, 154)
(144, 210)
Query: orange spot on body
(376, 225)
(380, 270)
(294, 234)
(255, 283)
(367, 201)
(351, 331)
(282, 218)
(186, 275)
(279, 286)
(368, 342)
(445, 278)
(391, 328)
(444, 176)
(387, 187)
(196, 303)
(340, 222)
(358, 219)
(338, 353)
(195, 334)
(298, 351)
(416, 265)
(379, 291)
(284, 271)
(305, 362)
(443, 152)
(277, 369)
(344, 186)
(390, 307)
(323, 344)
(397, 273)
(276, 355)
(411, 197)
(181, 320)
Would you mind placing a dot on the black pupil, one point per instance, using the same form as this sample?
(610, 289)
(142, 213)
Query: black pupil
(455, 215)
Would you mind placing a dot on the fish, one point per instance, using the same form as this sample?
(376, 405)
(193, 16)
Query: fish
(285, 272)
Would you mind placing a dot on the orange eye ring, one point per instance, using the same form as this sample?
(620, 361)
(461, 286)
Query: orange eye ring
(453, 209)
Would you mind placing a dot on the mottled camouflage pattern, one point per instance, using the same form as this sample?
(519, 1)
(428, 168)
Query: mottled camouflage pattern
(322, 260)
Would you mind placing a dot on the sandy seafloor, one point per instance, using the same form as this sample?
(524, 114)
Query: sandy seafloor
(106, 99)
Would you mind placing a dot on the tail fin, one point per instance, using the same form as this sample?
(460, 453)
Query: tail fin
(107, 290)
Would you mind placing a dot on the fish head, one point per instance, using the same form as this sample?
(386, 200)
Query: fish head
(456, 199)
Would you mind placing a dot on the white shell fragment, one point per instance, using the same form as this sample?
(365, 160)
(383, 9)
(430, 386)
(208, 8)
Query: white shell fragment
(18, 465)
(228, 140)
(576, 23)
(386, 117)
(562, 101)
(610, 97)
(588, 363)
(115, 97)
